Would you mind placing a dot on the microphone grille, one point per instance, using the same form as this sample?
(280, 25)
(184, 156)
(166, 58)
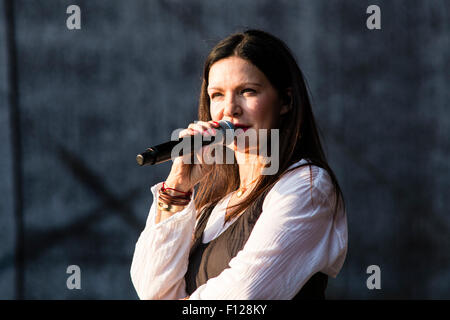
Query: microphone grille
(226, 124)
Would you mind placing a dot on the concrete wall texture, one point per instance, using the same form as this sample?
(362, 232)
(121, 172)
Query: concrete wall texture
(88, 100)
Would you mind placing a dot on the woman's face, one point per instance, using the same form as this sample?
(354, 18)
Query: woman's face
(239, 92)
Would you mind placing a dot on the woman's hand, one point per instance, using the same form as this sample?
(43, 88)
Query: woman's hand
(184, 176)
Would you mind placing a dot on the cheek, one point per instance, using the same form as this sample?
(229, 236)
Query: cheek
(214, 111)
(257, 112)
(265, 109)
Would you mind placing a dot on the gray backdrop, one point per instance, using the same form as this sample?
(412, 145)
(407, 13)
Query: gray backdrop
(76, 106)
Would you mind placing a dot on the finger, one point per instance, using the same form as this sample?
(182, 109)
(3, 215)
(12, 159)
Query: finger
(207, 124)
(186, 132)
(204, 155)
(212, 124)
(204, 128)
(215, 123)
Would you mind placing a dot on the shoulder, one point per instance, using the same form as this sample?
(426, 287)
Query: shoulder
(304, 182)
(302, 175)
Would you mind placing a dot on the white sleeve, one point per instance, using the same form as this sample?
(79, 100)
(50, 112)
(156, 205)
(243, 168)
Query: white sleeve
(161, 254)
(296, 236)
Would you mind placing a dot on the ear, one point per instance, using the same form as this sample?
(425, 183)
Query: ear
(286, 101)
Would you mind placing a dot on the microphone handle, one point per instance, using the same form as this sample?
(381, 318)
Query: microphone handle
(162, 152)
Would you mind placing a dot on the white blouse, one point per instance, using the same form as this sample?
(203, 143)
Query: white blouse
(296, 236)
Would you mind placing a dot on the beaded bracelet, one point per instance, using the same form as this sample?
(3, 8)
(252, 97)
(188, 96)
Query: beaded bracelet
(168, 207)
(164, 189)
(173, 200)
(170, 202)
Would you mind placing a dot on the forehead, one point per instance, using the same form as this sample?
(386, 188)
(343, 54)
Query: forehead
(234, 71)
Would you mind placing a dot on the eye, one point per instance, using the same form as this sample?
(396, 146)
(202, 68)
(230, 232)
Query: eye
(215, 95)
(249, 90)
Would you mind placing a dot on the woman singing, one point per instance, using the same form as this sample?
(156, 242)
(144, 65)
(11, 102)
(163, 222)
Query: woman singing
(228, 231)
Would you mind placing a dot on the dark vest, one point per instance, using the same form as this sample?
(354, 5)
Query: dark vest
(208, 260)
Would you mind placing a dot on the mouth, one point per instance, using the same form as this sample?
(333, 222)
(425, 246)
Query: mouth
(242, 126)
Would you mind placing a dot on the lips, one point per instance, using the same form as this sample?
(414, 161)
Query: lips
(244, 127)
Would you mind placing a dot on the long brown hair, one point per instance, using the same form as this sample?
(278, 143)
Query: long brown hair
(299, 138)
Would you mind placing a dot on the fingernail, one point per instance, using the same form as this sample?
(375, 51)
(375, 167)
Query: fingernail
(216, 123)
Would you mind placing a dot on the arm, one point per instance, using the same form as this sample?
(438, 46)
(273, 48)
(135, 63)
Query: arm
(162, 250)
(161, 253)
(293, 239)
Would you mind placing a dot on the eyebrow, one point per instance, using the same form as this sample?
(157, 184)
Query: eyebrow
(241, 85)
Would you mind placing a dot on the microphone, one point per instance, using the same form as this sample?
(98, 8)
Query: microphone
(162, 152)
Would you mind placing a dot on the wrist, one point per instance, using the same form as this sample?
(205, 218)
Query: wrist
(172, 199)
(178, 185)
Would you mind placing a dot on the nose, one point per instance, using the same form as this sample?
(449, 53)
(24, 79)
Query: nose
(232, 108)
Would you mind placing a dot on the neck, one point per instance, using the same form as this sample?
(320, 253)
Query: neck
(249, 168)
